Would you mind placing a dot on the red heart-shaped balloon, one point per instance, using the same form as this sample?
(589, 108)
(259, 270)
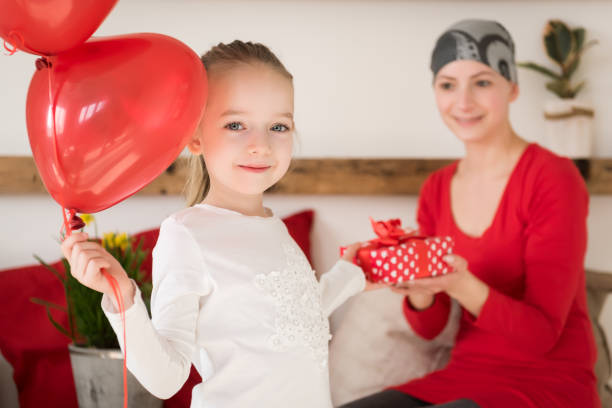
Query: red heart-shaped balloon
(122, 110)
(48, 27)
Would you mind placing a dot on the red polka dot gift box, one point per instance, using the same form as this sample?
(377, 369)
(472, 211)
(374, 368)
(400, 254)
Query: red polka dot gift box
(398, 255)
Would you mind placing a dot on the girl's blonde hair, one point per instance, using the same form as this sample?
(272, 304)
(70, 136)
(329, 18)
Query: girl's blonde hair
(224, 56)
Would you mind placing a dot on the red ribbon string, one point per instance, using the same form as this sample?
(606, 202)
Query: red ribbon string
(13, 49)
(73, 223)
(117, 292)
(48, 63)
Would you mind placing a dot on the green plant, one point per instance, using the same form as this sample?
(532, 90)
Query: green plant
(87, 325)
(564, 46)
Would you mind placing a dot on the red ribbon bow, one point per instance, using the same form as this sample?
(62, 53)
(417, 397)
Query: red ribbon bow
(390, 232)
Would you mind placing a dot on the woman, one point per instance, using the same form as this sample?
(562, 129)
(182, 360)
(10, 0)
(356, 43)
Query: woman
(518, 216)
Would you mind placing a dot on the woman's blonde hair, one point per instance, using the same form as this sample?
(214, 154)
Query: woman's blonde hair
(223, 56)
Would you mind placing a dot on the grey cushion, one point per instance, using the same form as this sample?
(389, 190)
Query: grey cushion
(599, 286)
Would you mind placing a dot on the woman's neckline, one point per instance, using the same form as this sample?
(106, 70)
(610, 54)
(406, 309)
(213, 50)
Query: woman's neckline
(499, 204)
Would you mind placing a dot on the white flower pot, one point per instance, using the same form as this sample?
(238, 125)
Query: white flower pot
(98, 378)
(569, 128)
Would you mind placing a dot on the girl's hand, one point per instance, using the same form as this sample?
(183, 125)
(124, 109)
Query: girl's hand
(374, 286)
(349, 255)
(351, 251)
(87, 259)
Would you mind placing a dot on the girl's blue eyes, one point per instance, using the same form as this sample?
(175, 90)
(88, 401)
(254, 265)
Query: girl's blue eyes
(483, 83)
(235, 126)
(279, 128)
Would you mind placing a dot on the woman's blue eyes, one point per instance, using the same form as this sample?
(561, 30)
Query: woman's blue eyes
(235, 126)
(482, 83)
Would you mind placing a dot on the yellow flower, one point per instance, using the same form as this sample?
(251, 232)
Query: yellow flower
(121, 241)
(108, 239)
(112, 240)
(87, 218)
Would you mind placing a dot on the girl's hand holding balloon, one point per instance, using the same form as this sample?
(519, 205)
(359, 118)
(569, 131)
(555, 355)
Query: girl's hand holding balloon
(87, 259)
(460, 284)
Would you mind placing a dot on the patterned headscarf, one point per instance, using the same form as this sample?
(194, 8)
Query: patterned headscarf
(484, 41)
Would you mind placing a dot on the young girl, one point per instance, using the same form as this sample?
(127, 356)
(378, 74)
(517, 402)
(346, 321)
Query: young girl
(232, 292)
(518, 215)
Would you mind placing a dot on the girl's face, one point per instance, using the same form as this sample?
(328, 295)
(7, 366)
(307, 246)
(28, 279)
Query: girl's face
(473, 99)
(246, 134)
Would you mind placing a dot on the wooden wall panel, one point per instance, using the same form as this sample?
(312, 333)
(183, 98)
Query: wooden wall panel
(18, 175)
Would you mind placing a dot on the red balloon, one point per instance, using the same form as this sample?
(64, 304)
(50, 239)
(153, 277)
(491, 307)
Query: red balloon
(48, 27)
(123, 109)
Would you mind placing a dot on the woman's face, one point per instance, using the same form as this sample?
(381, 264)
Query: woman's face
(246, 135)
(473, 100)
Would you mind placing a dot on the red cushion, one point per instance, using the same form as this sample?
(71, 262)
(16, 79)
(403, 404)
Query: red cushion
(35, 349)
(299, 226)
(38, 352)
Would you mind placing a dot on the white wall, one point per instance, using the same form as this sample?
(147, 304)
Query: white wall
(363, 86)
(362, 90)
(32, 223)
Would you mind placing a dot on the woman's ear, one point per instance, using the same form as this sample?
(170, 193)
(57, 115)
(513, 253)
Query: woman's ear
(514, 92)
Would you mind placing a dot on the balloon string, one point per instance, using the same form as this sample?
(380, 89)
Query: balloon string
(52, 105)
(10, 50)
(47, 63)
(74, 222)
(13, 49)
(117, 292)
(65, 228)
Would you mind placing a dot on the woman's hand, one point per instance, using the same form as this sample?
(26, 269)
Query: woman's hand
(419, 298)
(87, 259)
(349, 255)
(460, 284)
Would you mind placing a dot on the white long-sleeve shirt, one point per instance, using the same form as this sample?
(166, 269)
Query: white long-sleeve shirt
(235, 296)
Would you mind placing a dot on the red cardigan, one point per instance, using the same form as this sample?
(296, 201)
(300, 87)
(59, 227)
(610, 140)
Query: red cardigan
(532, 344)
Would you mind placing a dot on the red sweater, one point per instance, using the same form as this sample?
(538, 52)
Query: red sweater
(532, 344)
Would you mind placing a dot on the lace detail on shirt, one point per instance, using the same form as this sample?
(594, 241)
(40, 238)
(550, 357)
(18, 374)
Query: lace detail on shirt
(299, 320)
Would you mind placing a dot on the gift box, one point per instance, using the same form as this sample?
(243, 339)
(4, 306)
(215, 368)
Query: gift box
(398, 255)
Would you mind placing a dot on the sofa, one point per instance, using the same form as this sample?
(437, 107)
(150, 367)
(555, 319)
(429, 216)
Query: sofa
(372, 346)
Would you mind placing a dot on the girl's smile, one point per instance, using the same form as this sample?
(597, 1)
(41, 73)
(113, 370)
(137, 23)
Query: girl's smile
(255, 168)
